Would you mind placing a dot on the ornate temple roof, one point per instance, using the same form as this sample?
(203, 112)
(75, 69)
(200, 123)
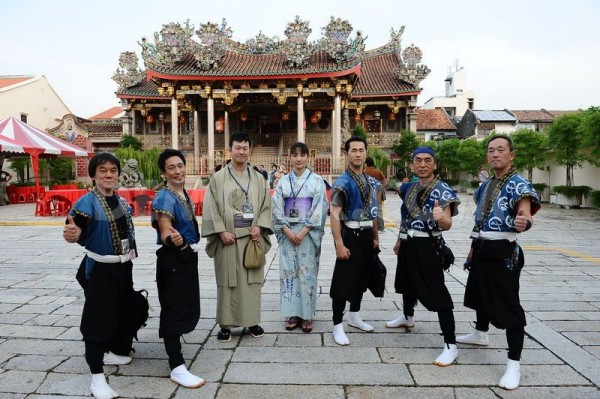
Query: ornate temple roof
(379, 75)
(236, 64)
(177, 55)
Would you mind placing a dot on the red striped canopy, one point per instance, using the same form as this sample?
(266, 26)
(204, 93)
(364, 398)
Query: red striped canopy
(19, 137)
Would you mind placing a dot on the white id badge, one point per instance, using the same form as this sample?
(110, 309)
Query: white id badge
(364, 221)
(293, 218)
(247, 211)
(475, 233)
(125, 247)
(403, 235)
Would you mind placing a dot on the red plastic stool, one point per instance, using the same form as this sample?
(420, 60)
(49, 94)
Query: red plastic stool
(135, 208)
(149, 208)
(61, 208)
(21, 198)
(41, 209)
(12, 199)
(32, 198)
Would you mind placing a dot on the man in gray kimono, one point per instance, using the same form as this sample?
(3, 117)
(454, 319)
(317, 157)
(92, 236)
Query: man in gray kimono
(237, 209)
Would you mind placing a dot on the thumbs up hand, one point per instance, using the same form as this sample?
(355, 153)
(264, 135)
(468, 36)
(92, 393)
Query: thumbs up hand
(437, 211)
(71, 232)
(522, 221)
(176, 237)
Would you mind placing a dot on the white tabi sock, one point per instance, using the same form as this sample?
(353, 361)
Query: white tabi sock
(183, 377)
(401, 321)
(110, 359)
(100, 388)
(475, 338)
(448, 356)
(512, 375)
(339, 336)
(354, 320)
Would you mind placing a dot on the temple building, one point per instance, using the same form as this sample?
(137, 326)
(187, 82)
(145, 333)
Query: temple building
(199, 86)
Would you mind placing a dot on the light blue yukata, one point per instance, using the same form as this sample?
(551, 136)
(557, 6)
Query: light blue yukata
(298, 202)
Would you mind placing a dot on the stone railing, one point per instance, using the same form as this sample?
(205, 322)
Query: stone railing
(323, 165)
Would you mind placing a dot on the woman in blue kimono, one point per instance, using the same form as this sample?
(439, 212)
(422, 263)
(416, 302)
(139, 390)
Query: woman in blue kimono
(299, 209)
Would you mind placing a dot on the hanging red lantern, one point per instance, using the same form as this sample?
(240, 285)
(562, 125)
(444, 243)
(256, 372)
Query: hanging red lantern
(182, 119)
(149, 118)
(356, 117)
(285, 115)
(220, 124)
(313, 118)
(244, 116)
(392, 116)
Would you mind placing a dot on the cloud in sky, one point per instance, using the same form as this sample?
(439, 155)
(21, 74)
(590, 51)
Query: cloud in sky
(517, 54)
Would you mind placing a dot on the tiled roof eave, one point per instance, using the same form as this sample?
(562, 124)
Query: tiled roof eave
(386, 94)
(292, 74)
(140, 96)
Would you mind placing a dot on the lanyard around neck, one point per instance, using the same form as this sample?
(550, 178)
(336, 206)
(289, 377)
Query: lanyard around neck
(247, 190)
(294, 195)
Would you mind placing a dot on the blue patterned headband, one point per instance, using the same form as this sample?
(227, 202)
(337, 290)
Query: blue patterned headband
(424, 150)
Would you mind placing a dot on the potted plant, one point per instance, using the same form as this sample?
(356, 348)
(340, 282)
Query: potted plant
(541, 189)
(473, 185)
(595, 198)
(454, 184)
(568, 196)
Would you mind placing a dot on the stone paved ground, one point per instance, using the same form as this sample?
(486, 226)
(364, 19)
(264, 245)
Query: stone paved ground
(41, 354)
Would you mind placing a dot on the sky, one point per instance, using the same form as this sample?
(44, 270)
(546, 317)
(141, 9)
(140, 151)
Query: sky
(518, 54)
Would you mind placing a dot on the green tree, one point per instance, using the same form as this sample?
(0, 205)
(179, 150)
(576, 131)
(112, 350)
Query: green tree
(380, 158)
(471, 155)
(590, 129)
(147, 163)
(565, 138)
(448, 163)
(359, 131)
(531, 148)
(131, 141)
(19, 165)
(61, 169)
(404, 147)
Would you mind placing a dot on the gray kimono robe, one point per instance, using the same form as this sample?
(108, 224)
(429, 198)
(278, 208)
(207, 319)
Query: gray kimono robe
(238, 288)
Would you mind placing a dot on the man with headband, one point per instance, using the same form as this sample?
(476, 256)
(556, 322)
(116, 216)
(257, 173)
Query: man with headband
(427, 209)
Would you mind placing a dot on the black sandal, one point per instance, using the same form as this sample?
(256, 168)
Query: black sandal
(256, 331)
(292, 323)
(307, 326)
(224, 335)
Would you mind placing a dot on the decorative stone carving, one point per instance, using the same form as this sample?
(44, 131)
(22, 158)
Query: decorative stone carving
(335, 40)
(345, 122)
(410, 70)
(357, 46)
(170, 45)
(212, 46)
(130, 176)
(128, 74)
(262, 44)
(396, 40)
(296, 48)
